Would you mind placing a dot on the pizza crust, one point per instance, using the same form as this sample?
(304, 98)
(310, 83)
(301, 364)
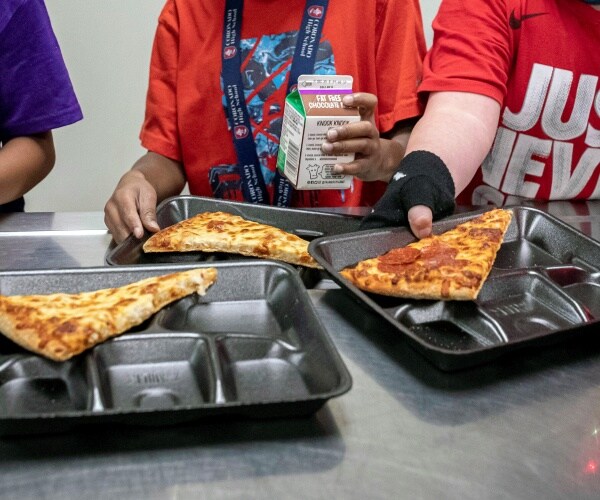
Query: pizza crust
(435, 288)
(450, 266)
(225, 232)
(60, 326)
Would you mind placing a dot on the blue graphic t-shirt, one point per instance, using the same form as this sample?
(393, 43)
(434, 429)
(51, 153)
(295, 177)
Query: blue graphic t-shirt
(266, 63)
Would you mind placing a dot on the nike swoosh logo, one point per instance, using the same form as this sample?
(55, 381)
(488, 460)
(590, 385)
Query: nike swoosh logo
(515, 23)
(398, 175)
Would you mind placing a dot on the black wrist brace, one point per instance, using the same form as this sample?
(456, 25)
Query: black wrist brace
(421, 179)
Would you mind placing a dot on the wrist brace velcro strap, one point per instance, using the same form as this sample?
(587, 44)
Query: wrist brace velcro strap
(421, 179)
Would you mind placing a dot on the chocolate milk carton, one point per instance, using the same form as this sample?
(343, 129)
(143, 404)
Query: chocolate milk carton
(310, 111)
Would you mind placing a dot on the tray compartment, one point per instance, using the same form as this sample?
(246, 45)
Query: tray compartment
(566, 276)
(536, 239)
(451, 326)
(252, 317)
(218, 317)
(588, 295)
(253, 346)
(256, 302)
(525, 304)
(261, 369)
(544, 286)
(580, 284)
(154, 372)
(30, 384)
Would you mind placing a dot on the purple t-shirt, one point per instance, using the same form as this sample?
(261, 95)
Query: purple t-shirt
(36, 94)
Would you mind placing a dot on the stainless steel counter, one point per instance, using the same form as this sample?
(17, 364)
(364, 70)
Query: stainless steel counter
(527, 426)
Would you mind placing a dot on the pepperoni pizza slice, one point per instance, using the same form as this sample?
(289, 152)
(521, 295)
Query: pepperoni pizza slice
(449, 266)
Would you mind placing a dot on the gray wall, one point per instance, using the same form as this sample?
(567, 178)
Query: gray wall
(429, 8)
(106, 45)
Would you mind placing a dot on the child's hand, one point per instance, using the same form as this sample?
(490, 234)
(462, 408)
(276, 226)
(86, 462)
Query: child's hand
(131, 208)
(361, 138)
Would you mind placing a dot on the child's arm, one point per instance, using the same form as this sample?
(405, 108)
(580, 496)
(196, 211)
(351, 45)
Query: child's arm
(24, 162)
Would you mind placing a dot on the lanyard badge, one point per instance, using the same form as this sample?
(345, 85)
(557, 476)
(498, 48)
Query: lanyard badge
(253, 185)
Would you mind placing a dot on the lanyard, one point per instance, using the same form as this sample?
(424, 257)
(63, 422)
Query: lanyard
(305, 54)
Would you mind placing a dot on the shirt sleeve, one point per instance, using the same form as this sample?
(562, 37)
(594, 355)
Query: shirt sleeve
(399, 59)
(472, 49)
(36, 94)
(159, 130)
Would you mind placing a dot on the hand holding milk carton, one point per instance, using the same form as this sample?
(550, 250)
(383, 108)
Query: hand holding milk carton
(310, 111)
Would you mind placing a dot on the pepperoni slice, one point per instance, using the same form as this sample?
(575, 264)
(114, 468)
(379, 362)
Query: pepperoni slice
(400, 256)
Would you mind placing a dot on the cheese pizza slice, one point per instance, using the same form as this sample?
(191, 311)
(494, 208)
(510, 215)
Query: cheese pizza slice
(451, 266)
(59, 326)
(225, 232)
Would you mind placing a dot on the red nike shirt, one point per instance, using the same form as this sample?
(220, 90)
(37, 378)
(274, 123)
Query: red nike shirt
(539, 59)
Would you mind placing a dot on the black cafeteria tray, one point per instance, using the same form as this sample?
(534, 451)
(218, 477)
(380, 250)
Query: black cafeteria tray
(308, 224)
(544, 287)
(253, 346)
